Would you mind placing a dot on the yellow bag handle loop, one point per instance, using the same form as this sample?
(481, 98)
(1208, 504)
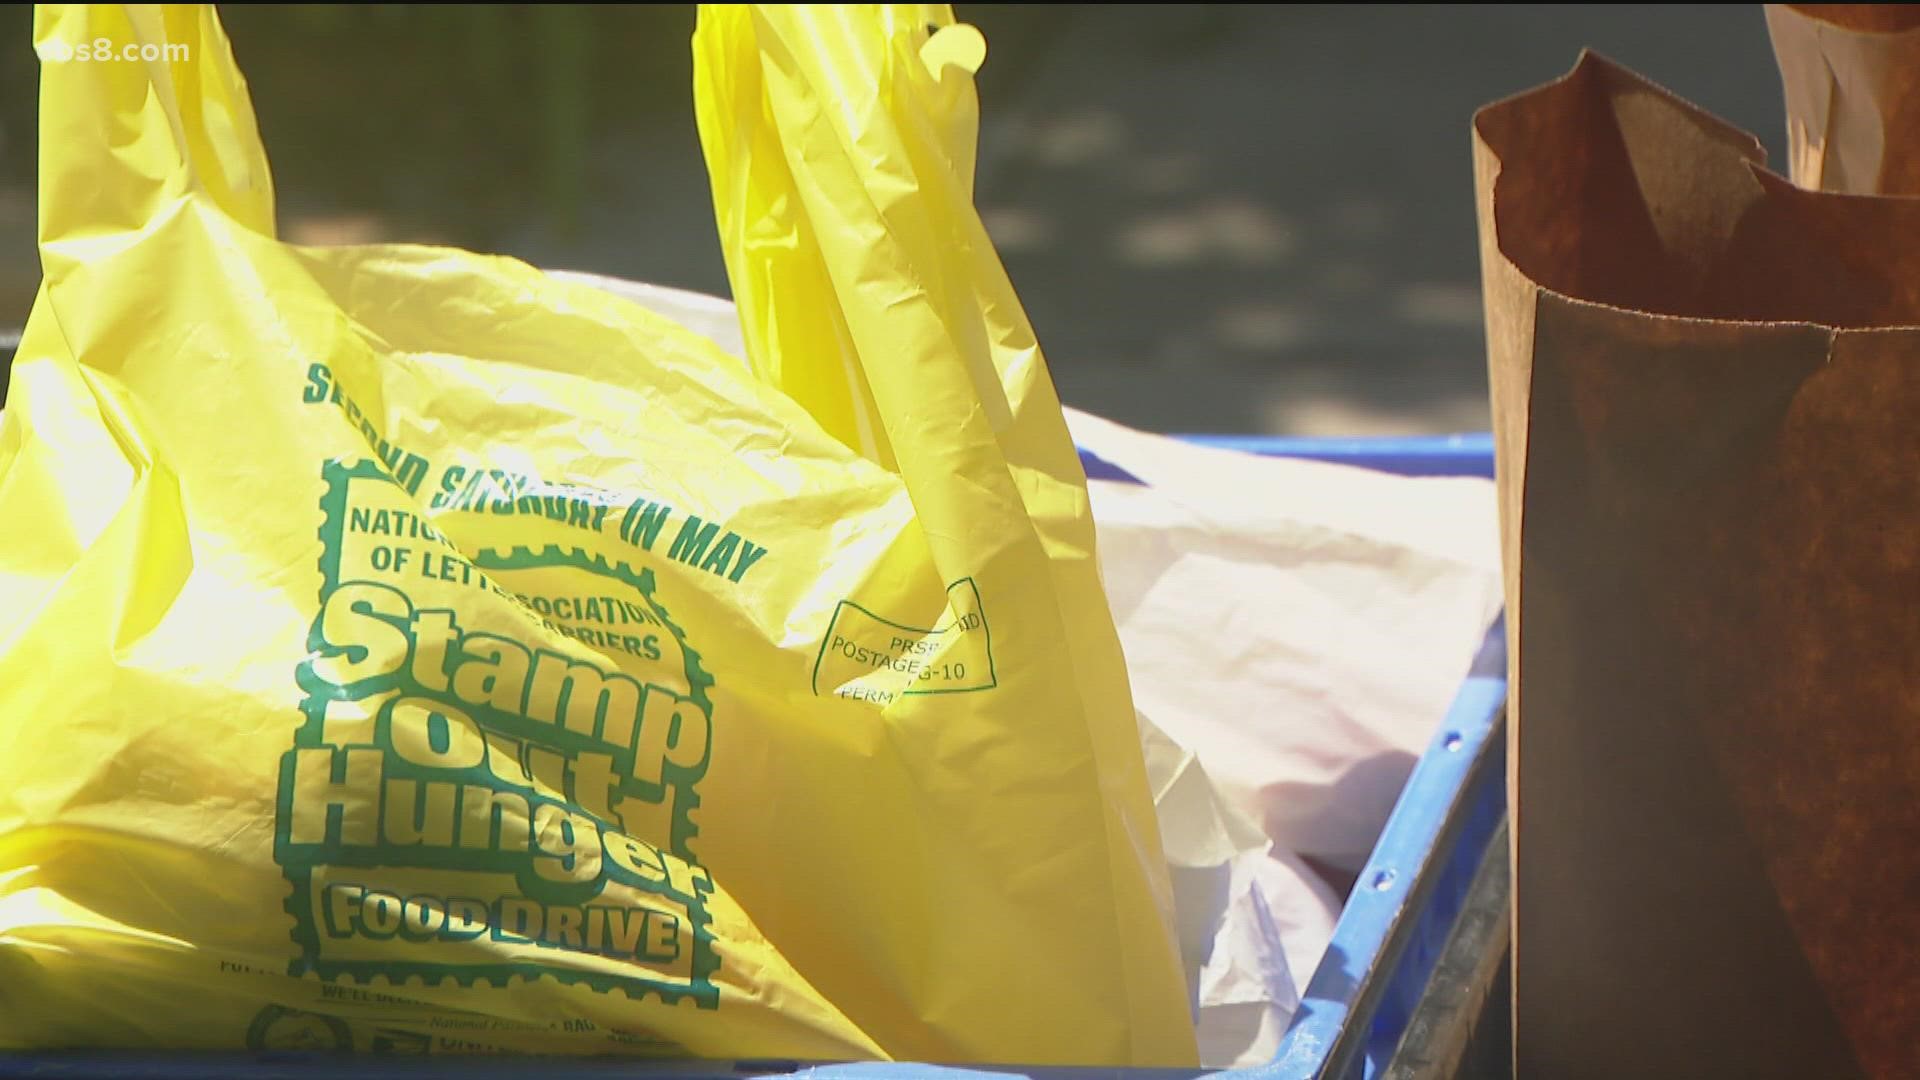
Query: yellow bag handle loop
(103, 174)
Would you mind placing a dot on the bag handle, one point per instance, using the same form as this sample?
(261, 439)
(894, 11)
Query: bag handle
(840, 141)
(140, 105)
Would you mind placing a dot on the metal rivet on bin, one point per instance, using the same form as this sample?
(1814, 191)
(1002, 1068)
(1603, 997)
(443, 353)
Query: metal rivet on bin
(1384, 880)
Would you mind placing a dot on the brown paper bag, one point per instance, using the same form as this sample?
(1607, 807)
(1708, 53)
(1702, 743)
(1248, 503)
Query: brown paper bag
(1852, 77)
(1706, 392)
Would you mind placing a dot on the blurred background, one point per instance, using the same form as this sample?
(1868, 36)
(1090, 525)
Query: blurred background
(1220, 218)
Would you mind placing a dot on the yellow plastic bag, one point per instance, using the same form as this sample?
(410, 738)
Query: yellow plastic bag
(403, 650)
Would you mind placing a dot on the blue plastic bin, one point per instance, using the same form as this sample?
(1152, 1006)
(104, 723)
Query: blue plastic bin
(1402, 910)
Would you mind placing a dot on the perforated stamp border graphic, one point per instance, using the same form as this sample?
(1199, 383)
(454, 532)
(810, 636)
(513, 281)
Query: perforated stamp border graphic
(299, 872)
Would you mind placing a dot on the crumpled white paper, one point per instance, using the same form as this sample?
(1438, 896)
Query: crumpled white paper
(1294, 632)
(1279, 917)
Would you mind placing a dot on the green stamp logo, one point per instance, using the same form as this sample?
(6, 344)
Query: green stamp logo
(475, 794)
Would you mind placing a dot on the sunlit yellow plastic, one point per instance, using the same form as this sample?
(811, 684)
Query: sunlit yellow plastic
(402, 650)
